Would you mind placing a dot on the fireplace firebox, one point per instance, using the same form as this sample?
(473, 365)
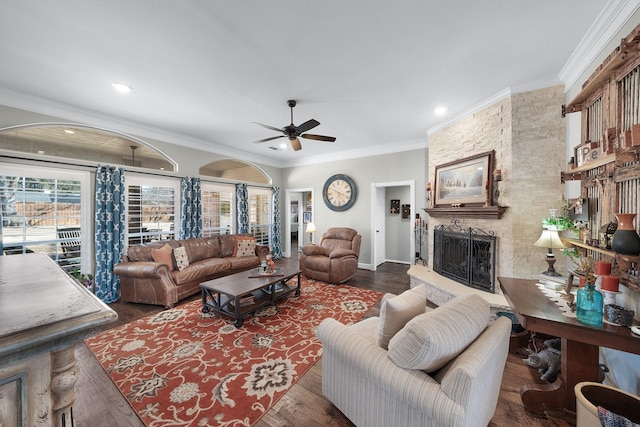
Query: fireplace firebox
(467, 256)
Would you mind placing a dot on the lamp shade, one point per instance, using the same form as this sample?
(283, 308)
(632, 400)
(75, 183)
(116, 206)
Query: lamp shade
(311, 228)
(550, 239)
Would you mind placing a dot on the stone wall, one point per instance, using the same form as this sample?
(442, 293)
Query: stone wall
(527, 134)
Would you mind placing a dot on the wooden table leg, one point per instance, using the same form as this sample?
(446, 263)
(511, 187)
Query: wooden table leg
(538, 398)
(580, 362)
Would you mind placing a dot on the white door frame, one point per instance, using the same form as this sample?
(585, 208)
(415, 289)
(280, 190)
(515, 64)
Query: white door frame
(287, 218)
(374, 215)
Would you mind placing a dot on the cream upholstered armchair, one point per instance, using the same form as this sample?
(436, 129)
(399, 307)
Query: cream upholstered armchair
(335, 259)
(415, 366)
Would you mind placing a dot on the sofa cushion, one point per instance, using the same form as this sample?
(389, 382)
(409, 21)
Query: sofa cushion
(200, 270)
(197, 248)
(213, 244)
(142, 251)
(396, 311)
(244, 262)
(180, 255)
(164, 255)
(227, 244)
(430, 340)
(245, 246)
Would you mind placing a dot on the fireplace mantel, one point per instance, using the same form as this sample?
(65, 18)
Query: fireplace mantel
(491, 212)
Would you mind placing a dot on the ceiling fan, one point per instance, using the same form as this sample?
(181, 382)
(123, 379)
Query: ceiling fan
(293, 132)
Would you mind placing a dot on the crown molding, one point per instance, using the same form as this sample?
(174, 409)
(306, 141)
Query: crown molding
(65, 112)
(609, 22)
(376, 150)
(505, 93)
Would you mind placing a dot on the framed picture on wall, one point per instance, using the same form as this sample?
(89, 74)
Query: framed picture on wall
(307, 217)
(395, 206)
(465, 182)
(406, 211)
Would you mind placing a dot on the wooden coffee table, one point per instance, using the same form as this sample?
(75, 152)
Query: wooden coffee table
(241, 294)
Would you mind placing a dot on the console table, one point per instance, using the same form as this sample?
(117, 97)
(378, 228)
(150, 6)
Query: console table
(44, 313)
(580, 344)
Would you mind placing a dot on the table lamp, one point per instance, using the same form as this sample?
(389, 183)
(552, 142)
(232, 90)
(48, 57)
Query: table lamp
(311, 228)
(551, 240)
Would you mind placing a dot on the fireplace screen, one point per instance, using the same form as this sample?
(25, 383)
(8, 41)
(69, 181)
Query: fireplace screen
(466, 256)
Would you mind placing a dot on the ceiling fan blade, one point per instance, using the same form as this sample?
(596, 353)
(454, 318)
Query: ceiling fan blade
(308, 125)
(318, 137)
(295, 144)
(268, 139)
(268, 127)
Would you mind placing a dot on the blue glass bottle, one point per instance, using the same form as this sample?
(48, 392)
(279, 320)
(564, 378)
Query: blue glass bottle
(589, 306)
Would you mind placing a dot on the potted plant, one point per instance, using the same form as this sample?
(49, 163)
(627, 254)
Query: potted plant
(85, 280)
(559, 223)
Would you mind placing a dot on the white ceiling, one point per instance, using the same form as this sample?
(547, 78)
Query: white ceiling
(372, 72)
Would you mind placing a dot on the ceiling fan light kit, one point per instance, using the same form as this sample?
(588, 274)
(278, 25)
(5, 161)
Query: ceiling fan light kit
(292, 131)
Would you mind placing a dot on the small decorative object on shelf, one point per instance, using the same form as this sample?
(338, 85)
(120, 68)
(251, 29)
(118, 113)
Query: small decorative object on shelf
(625, 240)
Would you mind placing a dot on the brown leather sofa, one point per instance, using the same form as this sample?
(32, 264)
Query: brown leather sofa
(143, 280)
(335, 259)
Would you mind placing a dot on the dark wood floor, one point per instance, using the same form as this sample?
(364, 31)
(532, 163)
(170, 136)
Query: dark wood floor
(100, 404)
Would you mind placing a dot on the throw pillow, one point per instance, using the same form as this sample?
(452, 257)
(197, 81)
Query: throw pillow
(397, 311)
(430, 340)
(182, 260)
(245, 246)
(164, 255)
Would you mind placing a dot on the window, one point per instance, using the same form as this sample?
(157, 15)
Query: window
(260, 214)
(152, 207)
(217, 209)
(46, 211)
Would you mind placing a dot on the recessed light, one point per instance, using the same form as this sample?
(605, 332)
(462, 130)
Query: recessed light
(283, 146)
(440, 111)
(121, 87)
(40, 152)
(68, 131)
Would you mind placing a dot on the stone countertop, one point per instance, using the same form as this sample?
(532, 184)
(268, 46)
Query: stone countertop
(42, 307)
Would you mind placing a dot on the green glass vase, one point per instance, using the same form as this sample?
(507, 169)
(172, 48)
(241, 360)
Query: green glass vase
(589, 306)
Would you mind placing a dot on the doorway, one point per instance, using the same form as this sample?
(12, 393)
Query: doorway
(298, 201)
(404, 233)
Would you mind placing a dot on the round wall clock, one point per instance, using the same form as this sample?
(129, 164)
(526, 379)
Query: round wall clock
(339, 192)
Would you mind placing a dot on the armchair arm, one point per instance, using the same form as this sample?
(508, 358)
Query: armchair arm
(312, 250)
(366, 360)
(141, 269)
(340, 253)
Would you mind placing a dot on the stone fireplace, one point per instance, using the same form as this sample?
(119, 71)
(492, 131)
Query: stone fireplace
(527, 134)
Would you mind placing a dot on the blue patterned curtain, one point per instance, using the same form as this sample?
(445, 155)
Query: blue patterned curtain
(242, 207)
(110, 229)
(276, 244)
(191, 208)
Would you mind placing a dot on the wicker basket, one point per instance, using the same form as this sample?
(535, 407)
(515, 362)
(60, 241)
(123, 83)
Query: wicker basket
(618, 315)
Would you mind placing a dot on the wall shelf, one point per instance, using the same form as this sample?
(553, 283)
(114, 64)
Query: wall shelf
(622, 266)
(597, 249)
(491, 212)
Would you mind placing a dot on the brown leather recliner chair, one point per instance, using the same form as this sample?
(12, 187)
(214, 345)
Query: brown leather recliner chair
(335, 259)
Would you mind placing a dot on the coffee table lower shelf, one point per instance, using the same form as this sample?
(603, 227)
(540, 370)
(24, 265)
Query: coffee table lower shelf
(243, 296)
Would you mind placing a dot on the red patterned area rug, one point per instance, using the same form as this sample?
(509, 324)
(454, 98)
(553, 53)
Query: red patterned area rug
(185, 368)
